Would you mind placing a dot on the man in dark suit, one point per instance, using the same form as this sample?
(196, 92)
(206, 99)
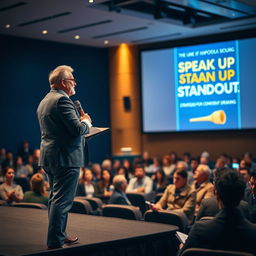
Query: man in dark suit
(62, 150)
(118, 196)
(229, 230)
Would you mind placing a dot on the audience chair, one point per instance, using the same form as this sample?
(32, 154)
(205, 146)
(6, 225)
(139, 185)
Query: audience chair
(81, 206)
(137, 199)
(2, 203)
(208, 252)
(23, 182)
(29, 205)
(95, 203)
(122, 211)
(167, 217)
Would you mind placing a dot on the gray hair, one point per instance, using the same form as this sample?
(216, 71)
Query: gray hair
(118, 181)
(205, 169)
(59, 73)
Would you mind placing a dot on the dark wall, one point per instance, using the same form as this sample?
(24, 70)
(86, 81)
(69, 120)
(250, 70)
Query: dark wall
(25, 65)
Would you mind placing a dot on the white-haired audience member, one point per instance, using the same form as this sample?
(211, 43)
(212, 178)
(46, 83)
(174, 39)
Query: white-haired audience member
(119, 196)
(204, 188)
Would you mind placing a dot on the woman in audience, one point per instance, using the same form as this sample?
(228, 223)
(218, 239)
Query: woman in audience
(168, 166)
(104, 186)
(128, 166)
(37, 193)
(122, 171)
(9, 191)
(160, 182)
(157, 164)
(85, 186)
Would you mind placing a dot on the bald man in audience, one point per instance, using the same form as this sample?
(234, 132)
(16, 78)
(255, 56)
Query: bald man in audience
(202, 185)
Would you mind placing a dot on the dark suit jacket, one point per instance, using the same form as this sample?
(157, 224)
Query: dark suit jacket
(81, 191)
(118, 198)
(229, 230)
(209, 208)
(62, 141)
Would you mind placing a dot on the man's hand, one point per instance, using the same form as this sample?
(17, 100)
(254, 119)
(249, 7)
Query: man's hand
(141, 190)
(87, 117)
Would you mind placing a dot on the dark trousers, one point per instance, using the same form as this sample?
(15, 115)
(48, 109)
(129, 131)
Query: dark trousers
(63, 183)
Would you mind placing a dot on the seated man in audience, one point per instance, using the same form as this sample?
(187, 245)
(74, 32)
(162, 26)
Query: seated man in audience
(204, 188)
(37, 194)
(9, 191)
(252, 197)
(229, 230)
(178, 197)
(119, 196)
(140, 183)
(246, 174)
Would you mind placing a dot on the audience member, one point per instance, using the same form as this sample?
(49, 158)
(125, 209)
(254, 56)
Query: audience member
(37, 193)
(229, 230)
(104, 187)
(252, 197)
(204, 188)
(128, 166)
(160, 182)
(96, 170)
(157, 164)
(85, 186)
(140, 183)
(193, 164)
(21, 170)
(36, 157)
(245, 172)
(248, 158)
(8, 162)
(181, 165)
(168, 166)
(119, 196)
(9, 191)
(122, 171)
(179, 197)
(25, 151)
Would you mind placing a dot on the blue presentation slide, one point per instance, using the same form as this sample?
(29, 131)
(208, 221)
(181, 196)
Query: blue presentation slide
(200, 87)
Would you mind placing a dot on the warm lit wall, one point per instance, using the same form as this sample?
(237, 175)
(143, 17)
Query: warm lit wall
(124, 83)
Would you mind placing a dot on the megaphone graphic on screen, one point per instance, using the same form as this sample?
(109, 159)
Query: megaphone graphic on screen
(216, 117)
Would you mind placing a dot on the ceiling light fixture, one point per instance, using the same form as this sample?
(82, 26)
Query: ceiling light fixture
(91, 1)
(106, 42)
(7, 26)
(44, 32)
(77, 37)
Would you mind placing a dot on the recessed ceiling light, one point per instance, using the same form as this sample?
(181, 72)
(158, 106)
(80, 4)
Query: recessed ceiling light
(77, 37)
(7, 26)
(106, 42)
(44, 32)
(90, 1)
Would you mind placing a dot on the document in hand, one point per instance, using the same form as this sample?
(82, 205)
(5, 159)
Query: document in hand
(181, 236)
(95, 131)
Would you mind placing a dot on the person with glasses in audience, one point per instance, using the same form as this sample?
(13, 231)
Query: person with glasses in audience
(63, 150)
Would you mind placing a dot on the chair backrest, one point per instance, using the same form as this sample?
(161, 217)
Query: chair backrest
(165, 217)
(81, 206)
(23, 182)
(29, 205)
(208, 252)
(137, 199)
(96, 203)
(122, 211)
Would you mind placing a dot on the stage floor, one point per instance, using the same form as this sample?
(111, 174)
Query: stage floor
(23, 231)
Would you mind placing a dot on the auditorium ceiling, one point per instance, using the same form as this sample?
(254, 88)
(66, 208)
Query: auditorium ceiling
(105, 23)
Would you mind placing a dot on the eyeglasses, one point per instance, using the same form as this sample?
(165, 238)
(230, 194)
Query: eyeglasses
(70, 79)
